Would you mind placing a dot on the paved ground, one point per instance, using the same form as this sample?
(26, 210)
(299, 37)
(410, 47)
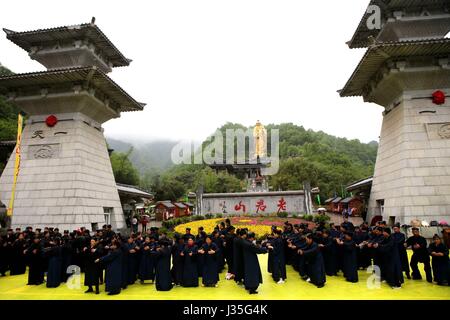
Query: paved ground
(14, 287)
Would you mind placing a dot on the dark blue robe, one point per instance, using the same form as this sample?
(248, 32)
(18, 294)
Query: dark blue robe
(278, 259)
(210, 275)
(148, 262)
(178, 262)
(315, 268)
(350, 261)
(114, 270)
(400, 239)
(190, 269)
(36, 264)
(18, 258)
(252, 270)
(391, 269)
(238, 259)
(163, 276)
(440, 265)
(54, 266)
(329, 256)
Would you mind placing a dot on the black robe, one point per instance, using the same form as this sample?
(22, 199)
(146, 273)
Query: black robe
(220, 254)
(252, 270)
(390, 265)
(440, 265)
(125, 263)
(54, 266)
(350, 261)
(400, 239)
(148, 262)
(315, 268)
(329, 253)
(92, 269)
(238, 259)
(114, 270)
(190, 269)
(66, 257)
(3, 257)
(18, 258)
(210, 275)
(163, 276)
(133, 262)
(278, 259)
(228, 250)
(178, 262)
(36, 264)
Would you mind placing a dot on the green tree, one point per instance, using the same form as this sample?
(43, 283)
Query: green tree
(124, 171)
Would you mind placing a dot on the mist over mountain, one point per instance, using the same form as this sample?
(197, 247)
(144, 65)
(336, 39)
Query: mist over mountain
(153, 156)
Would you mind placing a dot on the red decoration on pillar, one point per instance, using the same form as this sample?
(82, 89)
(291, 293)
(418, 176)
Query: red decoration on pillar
(438, 97)
(51, 121)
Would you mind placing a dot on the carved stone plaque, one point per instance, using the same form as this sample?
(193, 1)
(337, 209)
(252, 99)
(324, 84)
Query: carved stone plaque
(437, 131)
(43, 151)
(444, 131)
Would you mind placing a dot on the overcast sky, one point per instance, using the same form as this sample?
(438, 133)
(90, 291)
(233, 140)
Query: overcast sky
(198, 64)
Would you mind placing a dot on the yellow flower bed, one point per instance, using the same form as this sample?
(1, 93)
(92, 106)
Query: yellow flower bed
(210, 224)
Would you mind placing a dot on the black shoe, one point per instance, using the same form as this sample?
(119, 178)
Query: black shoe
(321, 285)
(408, 276)
(97, 291)
(113, 293)
(253, 292)
(89, 290)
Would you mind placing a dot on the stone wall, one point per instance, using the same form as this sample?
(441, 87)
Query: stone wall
(412, 171)
(248, 202)
(65, 179)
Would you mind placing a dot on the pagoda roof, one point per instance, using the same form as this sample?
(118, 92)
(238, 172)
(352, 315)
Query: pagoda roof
(91, 75)
(378, 54)
(361, 36)
(90, 31)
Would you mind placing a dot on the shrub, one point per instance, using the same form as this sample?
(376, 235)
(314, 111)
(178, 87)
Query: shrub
(209, 216)
(321, 218)
(282, 214)
(308, 217)
(219, 215)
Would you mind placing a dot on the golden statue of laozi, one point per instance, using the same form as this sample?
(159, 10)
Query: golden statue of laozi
(260, 139)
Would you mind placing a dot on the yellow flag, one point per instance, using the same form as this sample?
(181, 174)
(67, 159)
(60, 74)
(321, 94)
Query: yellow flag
(16, 164)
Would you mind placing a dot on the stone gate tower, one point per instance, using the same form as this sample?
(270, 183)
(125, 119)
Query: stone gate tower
(65, 178)
(406, 69)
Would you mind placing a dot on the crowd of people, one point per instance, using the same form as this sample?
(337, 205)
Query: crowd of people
(108, 257)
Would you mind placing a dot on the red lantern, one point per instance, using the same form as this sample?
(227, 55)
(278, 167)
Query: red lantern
(51, 121)
(438, 97)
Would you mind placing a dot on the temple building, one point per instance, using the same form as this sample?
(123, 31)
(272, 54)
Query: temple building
(406, 69)
(65, 178)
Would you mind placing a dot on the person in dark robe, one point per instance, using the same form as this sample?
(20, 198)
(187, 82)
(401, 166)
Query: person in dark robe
(3, 257)
(163, 276)
(252, 270)
(420, 254)
(328, 249)
(364, 258)
(228, 251)
(199, 241)
(439, 261)
(238, 256)
(53, 253)
(35, 257)
(276, 248)
(18, 258)
(114, 270)
(8, 242)
(92, 269)
(209, 251)
(133, 259)
(148, 260)
(299, 243)
(125, 261)
(390, 265)
(315, 268)
(188, 235)
(220, 256)
(178, 260)
(190, 271)
(400, 239)
(350, 260)
(376, 237)
(66, 254)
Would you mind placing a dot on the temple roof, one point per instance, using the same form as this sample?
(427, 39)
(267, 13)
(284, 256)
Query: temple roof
(378, 54)
(362, 33)
(88, 75)
(28, 39)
